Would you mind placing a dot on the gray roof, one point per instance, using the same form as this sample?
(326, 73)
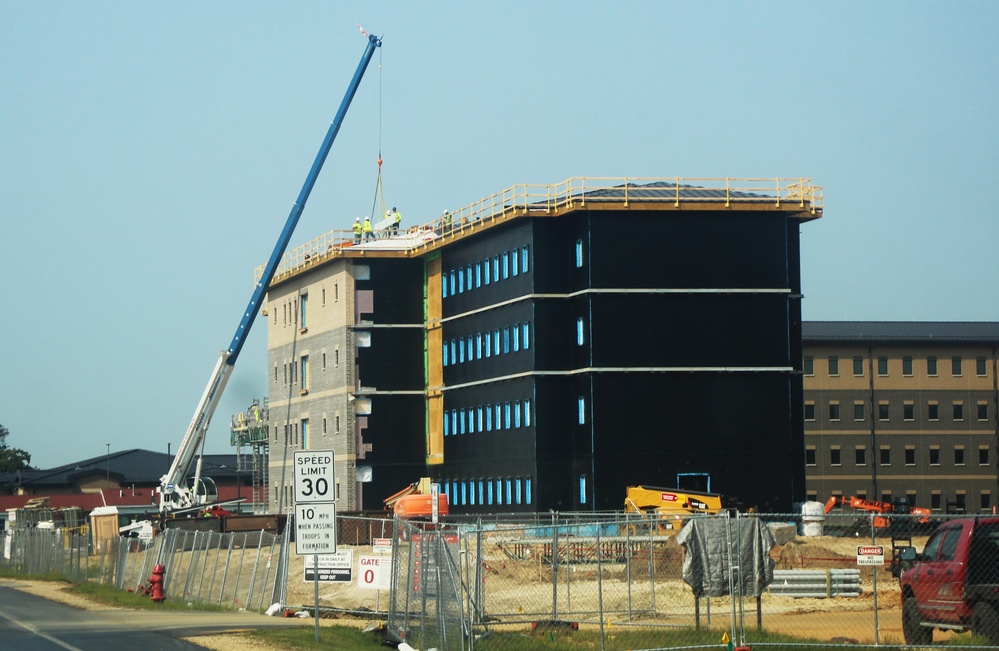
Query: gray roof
(126, 467)
(927, 332)
(667, 190)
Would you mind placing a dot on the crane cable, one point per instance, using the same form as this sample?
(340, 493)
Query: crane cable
(379, 198)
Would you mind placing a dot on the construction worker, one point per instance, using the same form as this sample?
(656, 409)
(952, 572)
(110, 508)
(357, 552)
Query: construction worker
(446, 221)
(397, 219)
(369, 234)
(357, 230)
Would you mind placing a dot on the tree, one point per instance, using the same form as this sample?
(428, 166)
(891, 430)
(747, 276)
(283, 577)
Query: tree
(12, 458)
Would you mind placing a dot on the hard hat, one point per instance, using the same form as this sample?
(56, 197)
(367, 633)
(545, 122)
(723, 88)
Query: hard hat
(393, 208)
(357, 219)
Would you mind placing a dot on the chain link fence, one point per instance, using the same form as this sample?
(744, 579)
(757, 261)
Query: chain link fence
(243, 570)
(616, 581)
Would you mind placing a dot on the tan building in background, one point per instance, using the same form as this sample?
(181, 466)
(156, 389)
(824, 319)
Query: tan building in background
(902, 409)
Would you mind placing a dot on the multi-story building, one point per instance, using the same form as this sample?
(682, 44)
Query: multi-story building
(902, 410)
(548, 346)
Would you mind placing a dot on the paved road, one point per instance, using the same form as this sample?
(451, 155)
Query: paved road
(30, 623)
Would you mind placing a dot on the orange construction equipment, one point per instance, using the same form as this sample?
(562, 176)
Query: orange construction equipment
(884, 509)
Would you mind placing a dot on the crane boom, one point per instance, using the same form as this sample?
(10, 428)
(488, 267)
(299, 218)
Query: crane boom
(174, 494)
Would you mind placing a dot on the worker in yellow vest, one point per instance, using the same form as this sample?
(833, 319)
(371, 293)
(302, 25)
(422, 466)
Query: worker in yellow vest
(357, 230)
(397, 219)
(369, 234)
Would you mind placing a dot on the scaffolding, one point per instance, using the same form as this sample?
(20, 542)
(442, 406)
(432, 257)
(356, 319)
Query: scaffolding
(249, 429)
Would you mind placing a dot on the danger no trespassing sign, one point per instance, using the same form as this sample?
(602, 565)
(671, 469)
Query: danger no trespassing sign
(870, 555)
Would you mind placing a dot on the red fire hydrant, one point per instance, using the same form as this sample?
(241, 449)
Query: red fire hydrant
(155, 588)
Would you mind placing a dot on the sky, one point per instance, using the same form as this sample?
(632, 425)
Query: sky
(150, 153)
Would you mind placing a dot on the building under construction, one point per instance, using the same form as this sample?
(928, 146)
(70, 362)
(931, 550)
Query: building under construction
(548, 346)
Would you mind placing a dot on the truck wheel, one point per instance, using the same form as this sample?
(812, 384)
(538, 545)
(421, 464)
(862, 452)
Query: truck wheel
(912, 631)
(985, 622)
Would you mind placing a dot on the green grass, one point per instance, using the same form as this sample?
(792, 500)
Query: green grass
(346, 638)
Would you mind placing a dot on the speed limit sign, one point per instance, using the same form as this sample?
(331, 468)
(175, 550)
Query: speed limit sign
(315, 481)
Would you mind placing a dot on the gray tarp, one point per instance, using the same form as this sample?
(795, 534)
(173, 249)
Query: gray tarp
(710, 543)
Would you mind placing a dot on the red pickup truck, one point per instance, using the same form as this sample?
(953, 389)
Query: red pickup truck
(954, 583)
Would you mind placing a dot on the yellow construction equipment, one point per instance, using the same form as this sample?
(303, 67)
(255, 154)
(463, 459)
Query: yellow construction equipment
(672, 506)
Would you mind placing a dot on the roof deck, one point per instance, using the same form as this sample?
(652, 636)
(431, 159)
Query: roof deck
(796, 195)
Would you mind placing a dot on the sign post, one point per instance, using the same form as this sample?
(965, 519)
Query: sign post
(315, 510)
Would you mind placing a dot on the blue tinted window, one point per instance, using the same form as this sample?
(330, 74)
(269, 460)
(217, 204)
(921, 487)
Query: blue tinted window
(452, 283)
(527, 490)
(489, 419)
(516, 414)
(443, 285)
(527, 335)
(496, 342)
(485, 272)
(514, 259)
(461, 282)
(523, 259)
(516, 490)
(496, 274)
(509, 491)
(461, 420)
(582, 410)
(447, 426)
(506, 340)
(488, 343)
(478, 274)
(579, 253)
(445, 355)
(527, 413)
(506, 265)
(579, 331)
(489, 491)
(468, 275)
(506, 415)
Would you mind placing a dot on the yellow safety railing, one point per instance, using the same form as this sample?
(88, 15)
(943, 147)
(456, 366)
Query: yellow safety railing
(552, 199)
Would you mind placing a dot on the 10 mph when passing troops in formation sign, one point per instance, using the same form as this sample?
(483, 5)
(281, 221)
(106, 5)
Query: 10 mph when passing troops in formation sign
(315, 510)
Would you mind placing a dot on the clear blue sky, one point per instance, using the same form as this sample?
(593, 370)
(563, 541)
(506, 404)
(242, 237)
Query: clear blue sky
(150, 153)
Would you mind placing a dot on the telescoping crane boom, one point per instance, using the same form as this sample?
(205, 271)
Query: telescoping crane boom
(175, 492)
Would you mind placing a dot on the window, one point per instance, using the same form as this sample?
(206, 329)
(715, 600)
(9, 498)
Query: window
(985, 501)
(858, 411)
(506, 415)
(581, 406)
(908, 411)
(933, 411)
(983, 455)
(515, 339)
(461, 282)
(496, 342)
(461, 420)
(526, 331)
(883, 411)
(506, 265)
(934, 455)
(833, 365)
(860, 455)
(958, 455)
(907, 365)
(444, 285)
(489, 491)
(527, 413)
(910, 455)
(934, 504)
(809, 411)
(516, 486)
(858, 365)
(885, 455)
(516, 413)
(810, 455)
(808, 364)
(305, 433)
(453, 283)
(579, 332)
(461, 351)
(302, 300)
(983, 411)
(488, 342)
(958, 411)
(931, 365)
(506, 340)
(496, 275)
(582, 489)
(955, 365)
(833, 411)
(523, 259)
(478, 346)
(485, 272)
(834, 456)
(527, 490)
(882, 365)
(305, 372)
(514, 266)
(478, 274)
(445, 355)
(980, 367)
(579, 254)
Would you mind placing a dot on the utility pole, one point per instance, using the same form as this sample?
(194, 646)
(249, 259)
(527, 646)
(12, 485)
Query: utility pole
(107, 464)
